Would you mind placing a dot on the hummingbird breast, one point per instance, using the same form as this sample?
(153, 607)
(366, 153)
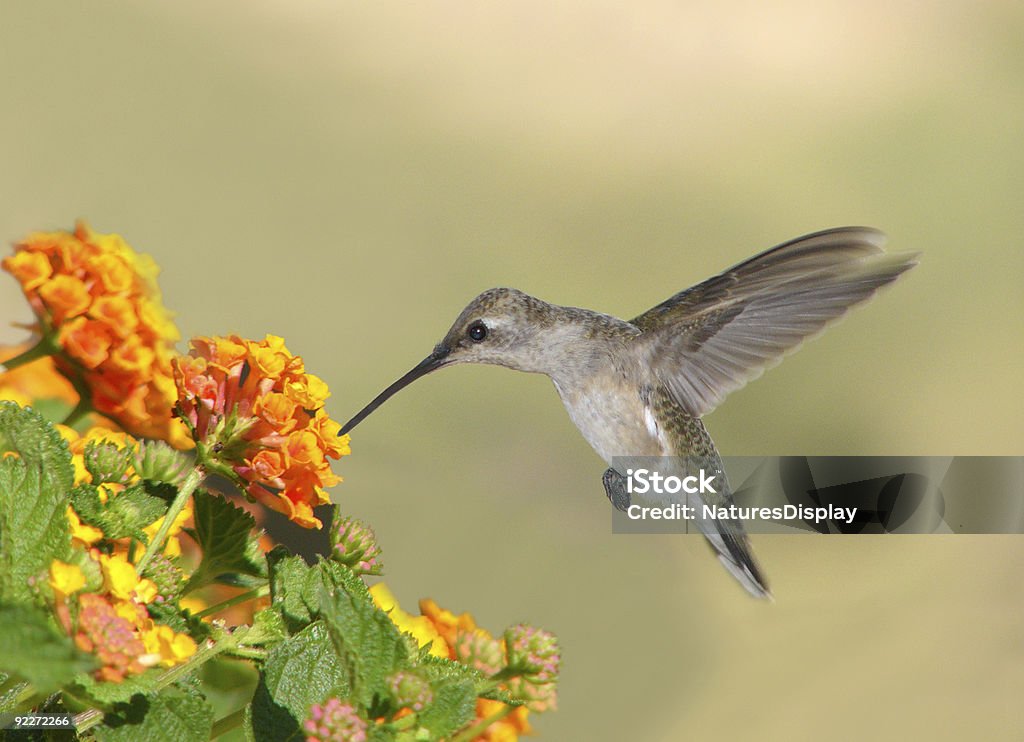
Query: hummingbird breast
(614, 416)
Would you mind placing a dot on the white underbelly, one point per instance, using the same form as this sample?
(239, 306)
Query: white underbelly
(615, 422)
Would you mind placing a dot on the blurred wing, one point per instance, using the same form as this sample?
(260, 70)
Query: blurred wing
(715, 337)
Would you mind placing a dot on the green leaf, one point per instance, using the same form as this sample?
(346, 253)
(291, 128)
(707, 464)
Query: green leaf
(267, 629)
(106, 694)
(224, 532)
(290, 578)
(37, 442)
(455, 693)
(33, 650)
(122, 516)
(370, 645)
(182, 621)
(454, 704)
(33, 500)
(300, 671)
(368, 642)
(176, 713)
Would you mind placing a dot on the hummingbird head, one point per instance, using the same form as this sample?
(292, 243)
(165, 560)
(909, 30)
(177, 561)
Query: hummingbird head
(504, 327)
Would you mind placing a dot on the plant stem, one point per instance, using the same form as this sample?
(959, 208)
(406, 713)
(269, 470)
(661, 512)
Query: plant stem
(255, 593)
(505, 673)
(83, 408)
(45, 347)
(227, 723)
(471, 733)
(187, 488)
(249, 653)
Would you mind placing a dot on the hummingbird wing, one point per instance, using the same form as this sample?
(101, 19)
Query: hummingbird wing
(715, 337)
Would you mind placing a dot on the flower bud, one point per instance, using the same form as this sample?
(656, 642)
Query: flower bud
(353, 543)
(158, 462)
(534, 657)
(409, 690)
(334, 721)
(167, 576)
(107, 462)
(479, 650)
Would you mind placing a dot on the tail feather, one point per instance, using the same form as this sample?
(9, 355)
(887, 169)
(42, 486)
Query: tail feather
(734, 552)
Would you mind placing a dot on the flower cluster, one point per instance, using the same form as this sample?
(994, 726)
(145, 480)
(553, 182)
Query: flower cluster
(535, 657)
(257, 417)
(526, 661)
(334, 721)
(112, 638)
(111, 620)
(86, 471)
(98, 300)
(151, 562)
(100, 598)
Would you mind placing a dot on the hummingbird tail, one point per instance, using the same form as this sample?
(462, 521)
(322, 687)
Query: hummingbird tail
(734, 552)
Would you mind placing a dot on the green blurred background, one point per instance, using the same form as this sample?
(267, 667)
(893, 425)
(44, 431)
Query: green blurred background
(350, 175)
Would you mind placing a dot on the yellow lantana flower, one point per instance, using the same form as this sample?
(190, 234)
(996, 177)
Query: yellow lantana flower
(171, 647)
(120, 578)
(65, 579)
(81, 533)
(421, 627)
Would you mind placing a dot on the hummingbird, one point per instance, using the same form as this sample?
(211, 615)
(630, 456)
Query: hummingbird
(642, 387)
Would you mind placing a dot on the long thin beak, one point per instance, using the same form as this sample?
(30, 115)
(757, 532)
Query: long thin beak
(431, 363)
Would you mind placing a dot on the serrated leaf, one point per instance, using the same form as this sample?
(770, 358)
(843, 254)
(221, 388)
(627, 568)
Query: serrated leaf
(181, 620)
(289, 579)
(370, 645)
(300, 671)
(455, 688)
(176, 713)
(453, 706)
(367, 640)
(106, 694)
(24, 430)
(33, 500)
(85, 499)
(224, 532)
(122, 516)
(267, 629)
(33, 650)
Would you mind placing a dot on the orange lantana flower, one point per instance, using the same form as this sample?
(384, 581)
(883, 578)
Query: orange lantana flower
(259, 418)
(100, 301)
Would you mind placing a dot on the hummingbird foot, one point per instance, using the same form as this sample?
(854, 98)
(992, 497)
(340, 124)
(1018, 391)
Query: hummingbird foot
(615, 488)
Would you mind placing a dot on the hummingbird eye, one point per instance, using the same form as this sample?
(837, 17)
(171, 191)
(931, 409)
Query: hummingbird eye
(477, 332)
